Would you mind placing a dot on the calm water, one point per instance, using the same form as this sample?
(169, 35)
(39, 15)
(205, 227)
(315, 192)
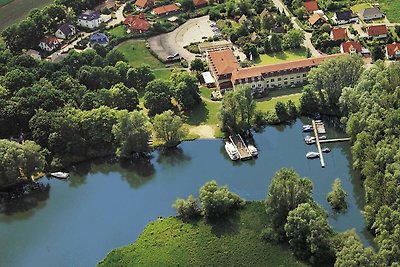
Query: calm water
(106, 205)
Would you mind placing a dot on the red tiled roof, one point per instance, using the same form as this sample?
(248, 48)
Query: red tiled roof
(392, 49)
(143, 3)
(314, 18)
(200, 2)
(260, 70)
(223, 61)
(310, 6)
(137, 22)
(339, 34)
(377, 30)
(49, 40)
(165, 9)
(348, 46)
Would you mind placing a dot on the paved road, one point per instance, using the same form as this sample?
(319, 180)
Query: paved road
(119, 16)
(307, 42)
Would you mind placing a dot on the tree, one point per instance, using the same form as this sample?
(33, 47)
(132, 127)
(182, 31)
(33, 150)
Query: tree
(132, 133)
(113, 56)
(292, 109)
(250, 50)
(158, 97)
(217, 201)
(168, 128)
(186, 89)
(18, 162)
(187, 5)
(197, 65)
(123, 97)
(139, 77)
(353, 254)
(308, 101)
(286, 191)
(281, 111)
(293, 39)
(276, 43)
(377, 52)
(187, 209)
(337, 197)
(308, 52)
(309, 234)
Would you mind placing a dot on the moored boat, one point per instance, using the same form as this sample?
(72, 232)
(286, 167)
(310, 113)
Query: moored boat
(326, 150)
(60, 175)
(312, 155)
(309, 140)
(307, 128)
(231, 151)
(253, 150)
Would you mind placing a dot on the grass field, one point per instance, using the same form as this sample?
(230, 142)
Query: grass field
(5, 2)
(391, 9)
(16, 10)
(357, 8)
(234, 241)
(163, 74)
(280, 57)
(119, 31)
(137, 53)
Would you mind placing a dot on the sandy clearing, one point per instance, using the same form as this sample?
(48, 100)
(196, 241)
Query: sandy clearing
(203, 131)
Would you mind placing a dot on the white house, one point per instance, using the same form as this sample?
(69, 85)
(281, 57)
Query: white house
(49, 43)
(90, 19)
(66, 31)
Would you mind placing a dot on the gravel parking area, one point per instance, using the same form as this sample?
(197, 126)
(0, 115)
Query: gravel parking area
(193, 30)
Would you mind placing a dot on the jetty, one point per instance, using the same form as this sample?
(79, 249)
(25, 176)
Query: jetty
(334, 140)
(317, 127)
(241, 147)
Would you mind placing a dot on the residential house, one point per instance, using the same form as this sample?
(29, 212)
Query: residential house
(393, 51)
(339, 34)
(65, 31)
(242, 19)
(98, 38)
(316, 20)
(142, 4)
(222, 64)
(264, 14)
(343, 17)
(109, 4)
(311, 6)
(278, 30)
(351, 47)
(377, 31)
(371, 13)
(49, 43)
(200, 3)
(166, 10)
(90, 19)
(137, 23)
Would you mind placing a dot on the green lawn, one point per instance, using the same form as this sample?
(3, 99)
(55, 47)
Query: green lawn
(119, 31)
(357, 8)
(163, 74)
(280, 57)
(5, 2)
(391, 9)
(235, 241)
(269, 103)
(137, 53)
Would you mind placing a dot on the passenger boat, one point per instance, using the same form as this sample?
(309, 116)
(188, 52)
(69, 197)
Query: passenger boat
(60, 175)
(231, 151)
(307, 128)
(309, 140)
(253, 150)
(326, 150)
(312, 155)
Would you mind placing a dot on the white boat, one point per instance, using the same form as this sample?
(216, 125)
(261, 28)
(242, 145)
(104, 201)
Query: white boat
(309, 140)
(326, 150)
(312, 155)
(307, 128)
(60, 175)
(322, 137)
(231, 151)
(253, 150)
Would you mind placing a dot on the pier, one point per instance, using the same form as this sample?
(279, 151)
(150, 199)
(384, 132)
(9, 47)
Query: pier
(316, 132)
(334, 140)
(241, 147)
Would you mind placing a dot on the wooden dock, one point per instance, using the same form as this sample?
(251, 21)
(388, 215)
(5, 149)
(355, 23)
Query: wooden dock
(334, 140)
(316, 132)
(241, 147)
(319, 125)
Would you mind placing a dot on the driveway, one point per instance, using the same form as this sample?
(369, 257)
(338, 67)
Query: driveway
(194, 30)
(307, 42)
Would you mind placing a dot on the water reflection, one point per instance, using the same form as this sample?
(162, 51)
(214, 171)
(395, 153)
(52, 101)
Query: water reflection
(172, 157)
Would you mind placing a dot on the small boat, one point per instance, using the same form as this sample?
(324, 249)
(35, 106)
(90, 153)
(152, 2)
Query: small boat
(231, 151)
(60, 175)
(312, 155)
(322, 137)
(326, 150)
(309, 140)
(307, 128)
(253, 150)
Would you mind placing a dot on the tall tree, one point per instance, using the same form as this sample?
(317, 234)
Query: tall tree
(337, 197)
(168, 128)
(139, 77)
(186, 89)
(293, 39)
(158, 97)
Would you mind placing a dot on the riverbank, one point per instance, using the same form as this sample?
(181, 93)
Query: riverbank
(233, 241)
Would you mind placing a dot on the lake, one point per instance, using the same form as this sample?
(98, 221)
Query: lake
(104, 205)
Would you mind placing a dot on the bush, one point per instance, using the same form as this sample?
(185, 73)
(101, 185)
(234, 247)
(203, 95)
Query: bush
(269, 235)
(337, 197)
(187, 209)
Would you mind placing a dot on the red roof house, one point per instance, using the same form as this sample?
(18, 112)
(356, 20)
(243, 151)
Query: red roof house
(49, 43)
(142, 4)
(339, 34)
(393, 51)
(378, 31)
(351, 47)
(165, 10)
(200, 3)
(137, 23)
(311, 6)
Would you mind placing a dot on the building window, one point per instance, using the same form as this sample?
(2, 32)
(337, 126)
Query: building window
(304, 74)
(285, 83)
(285, 78)
(298, 76)
(292, 78)
(279, 79)
(272, 80)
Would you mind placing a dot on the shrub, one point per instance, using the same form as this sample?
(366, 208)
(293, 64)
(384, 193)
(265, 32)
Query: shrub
(187, 209)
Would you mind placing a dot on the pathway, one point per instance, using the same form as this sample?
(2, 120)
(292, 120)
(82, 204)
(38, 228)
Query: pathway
(307, 42)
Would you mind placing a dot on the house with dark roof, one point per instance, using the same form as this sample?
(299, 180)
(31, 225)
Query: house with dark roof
(200, 3)
(339, 34)
(98, 38)
(142, 4)
(166, 10)
(65, 31)
(137, 23)
(371, 13)
(89, 19)
(351, 47)
(278, 30)
(311, 6)
(343, 17)
(49, 43)
(377, 31)
(392, 51)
